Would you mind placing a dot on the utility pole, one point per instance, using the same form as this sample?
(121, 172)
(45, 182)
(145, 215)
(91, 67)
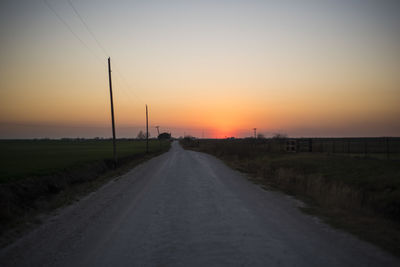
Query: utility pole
(112, 113)
(255, 132)
(158, 137)
(147, 131)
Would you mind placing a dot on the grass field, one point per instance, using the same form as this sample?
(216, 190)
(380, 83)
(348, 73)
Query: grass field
(378, 180)
(39, 176)
(357, 193)
(23, 158)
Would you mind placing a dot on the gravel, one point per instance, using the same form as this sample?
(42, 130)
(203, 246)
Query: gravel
(186, 208)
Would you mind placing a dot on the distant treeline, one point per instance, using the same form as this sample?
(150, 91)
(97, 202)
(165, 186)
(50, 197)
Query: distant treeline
(74, 139)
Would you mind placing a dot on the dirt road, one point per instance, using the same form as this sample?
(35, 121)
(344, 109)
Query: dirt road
(186, 208)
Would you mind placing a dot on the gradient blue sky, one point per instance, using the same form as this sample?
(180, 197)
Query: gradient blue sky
(306, 68)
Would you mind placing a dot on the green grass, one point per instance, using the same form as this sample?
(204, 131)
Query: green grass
(24, 158)
(38, 176)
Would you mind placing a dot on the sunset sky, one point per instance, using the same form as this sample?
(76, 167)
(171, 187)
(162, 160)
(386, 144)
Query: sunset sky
(205, 68)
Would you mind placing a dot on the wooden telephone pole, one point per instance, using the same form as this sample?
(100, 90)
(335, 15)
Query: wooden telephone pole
(158, 137)
(112, 113)
(147, 131)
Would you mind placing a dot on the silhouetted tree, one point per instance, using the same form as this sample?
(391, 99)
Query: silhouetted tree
(164, 136)
(260, 136)
(141, 135)
(280, 136)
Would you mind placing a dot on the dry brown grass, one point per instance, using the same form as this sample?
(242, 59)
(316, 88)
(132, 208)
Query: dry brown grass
(360, 195)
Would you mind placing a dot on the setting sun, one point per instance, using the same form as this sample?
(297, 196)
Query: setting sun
(304, 69)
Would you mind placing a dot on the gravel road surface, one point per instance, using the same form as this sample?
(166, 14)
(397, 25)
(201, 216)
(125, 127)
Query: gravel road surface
(185, 208)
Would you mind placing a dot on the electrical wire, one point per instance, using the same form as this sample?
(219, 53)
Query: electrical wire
(124, 81)
(88, 28)
(125, 86)
(70, 29)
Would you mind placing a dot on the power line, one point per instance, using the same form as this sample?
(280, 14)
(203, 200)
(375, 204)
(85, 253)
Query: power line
(127, 84)
(125, 87)
(70, 29)
(122, 78)
(88, 28)
(104, 50)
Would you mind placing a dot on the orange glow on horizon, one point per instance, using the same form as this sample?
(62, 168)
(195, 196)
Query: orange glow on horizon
(302, 71)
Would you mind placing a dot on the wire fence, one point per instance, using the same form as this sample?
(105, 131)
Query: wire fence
(376, 147)
(373, 146)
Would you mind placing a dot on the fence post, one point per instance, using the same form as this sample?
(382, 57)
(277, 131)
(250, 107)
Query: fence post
(387, 147)
(348, 146)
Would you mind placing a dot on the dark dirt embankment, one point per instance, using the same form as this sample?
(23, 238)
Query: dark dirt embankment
(22, 200)
(361, 195)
